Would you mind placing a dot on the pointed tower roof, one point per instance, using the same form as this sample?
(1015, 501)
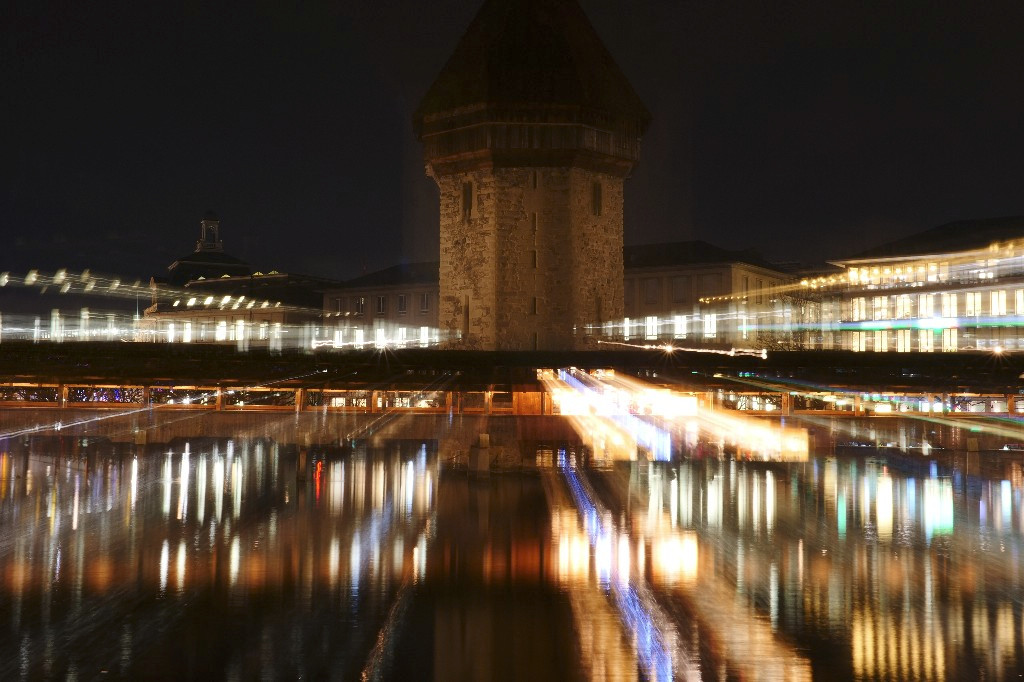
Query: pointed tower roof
(531, 83)
(533, 52)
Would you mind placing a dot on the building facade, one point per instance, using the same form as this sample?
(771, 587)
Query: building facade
(957, 287)
(209, 296)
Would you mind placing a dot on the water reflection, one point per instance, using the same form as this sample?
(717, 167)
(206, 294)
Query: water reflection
(886, 567)
(238, 558)
(217, 557)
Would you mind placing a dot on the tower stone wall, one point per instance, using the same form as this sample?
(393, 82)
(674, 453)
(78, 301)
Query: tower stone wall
(531, 264)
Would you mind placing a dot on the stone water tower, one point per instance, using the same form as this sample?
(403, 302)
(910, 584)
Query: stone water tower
(529, 131)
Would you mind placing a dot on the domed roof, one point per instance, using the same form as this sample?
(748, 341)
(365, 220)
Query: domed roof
(533, 52)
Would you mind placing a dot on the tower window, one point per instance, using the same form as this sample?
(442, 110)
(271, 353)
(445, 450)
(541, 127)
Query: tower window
(595, 199)
(467, 200)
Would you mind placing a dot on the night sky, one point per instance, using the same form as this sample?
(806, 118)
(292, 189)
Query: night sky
(807, 130)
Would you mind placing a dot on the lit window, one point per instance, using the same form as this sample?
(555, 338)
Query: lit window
(710, 325)
(949, 305)
(903, 341)
(880, 307)
(680, 326)
(859, 309)
(651, 327)
(997, 300)
(949, 340)
(881, 340)
(926, 305)
(903, 306)
(972, 300)
(926, 341)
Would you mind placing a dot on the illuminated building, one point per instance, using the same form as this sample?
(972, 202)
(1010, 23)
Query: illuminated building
(697, 292)
(955, 287)
(400, 302)
(529, 132)
(672, 291)
(211, 296)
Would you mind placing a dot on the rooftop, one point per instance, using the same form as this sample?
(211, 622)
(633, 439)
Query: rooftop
(530, 52)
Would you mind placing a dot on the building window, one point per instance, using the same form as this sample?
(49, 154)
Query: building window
(926, 341)
(359, 305)
(403, 305)
(903, 306)
(652, 290)
(881, 340)
(651, 327)
(1018, 301)
(680, 326)
(710, 325)
(382, 305)
(926, 305)
(759, 287)
(681, 289)
(997, 302)
(339, 304)
(949, 305)
(859, 309)
(903, 341)
(880, 307)
(949, 341)
(467, 201)
(973, 303)
(424, 303)
(595, 199)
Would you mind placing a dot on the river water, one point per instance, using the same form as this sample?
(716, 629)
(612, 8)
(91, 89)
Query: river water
(249, 557)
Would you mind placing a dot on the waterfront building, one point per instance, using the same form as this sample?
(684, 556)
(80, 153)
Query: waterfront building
(529, 131)
(673, 291)
(696, 293)
(211, 296)
(955, 287)
(394, 306)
